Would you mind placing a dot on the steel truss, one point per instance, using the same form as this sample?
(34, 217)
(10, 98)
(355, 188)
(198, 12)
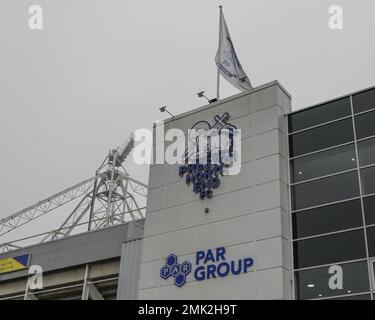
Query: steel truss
(110, 197)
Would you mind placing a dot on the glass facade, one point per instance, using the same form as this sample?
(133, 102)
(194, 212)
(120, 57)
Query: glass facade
(332, 196)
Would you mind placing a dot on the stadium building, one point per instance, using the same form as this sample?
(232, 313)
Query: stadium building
(297, 222)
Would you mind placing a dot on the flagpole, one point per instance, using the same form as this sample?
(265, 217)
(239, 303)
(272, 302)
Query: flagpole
(218, 72)
(218, 85)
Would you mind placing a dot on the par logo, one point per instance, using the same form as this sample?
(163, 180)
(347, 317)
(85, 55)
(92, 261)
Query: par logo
(176, 270)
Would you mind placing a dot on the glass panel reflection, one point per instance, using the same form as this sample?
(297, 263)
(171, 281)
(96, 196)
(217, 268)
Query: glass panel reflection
(327, 219)
(365, 125)
(323, 163)
(322, 137)
(325, 190)
(369, 205)
(315, 283)
(366, 150)
(371, 241)
(368, 180)
(364, 101)
(320, 114)
(329, 249)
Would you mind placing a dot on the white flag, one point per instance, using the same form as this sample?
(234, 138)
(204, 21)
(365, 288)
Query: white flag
(227, 61)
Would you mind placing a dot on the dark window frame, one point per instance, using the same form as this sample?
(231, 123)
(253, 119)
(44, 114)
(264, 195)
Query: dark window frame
(299, 142)
(321, 156)
(358, 100)
(303, 291)
(355, 215)
(300, 247)
(303, 190)
(368, 184)
(365, 154)
(362, 124)
(339, 109)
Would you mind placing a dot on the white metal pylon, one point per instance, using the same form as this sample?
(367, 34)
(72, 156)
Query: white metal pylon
(110, 197)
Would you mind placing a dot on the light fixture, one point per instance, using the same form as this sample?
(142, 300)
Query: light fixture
(311, 285)
(202, 95)
(348, 291)
(164, 109)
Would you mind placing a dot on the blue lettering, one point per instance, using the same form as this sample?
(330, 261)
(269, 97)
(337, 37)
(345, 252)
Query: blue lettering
(211, 268)
(182, 170)
(191, 168)
(215, 182)
(200, 175)
(197, 186)
(208, 171)
(220, 253)
(208, 184)
(209, 256)
(221, 168)
(189, 179)
(239, 269)
(225, 266)
(199, 256)
(199, 274)
(248, 262)
(215, 170)
(186, 268)
(165, 271)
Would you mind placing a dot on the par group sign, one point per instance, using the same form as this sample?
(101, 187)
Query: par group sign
(208, 264)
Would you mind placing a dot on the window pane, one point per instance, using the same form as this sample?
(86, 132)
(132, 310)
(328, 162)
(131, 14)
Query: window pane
(320, 138)
(371, 241)
(366, 150)
(323, 163)
(364, 101)
(312, 284)
(320, 114)
(368, 180)
(364, 124)
(369, 204)
(326, 190)
(327, 219)
(329, 249)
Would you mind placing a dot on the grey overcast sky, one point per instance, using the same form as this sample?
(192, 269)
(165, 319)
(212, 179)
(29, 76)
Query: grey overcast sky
(101, 68)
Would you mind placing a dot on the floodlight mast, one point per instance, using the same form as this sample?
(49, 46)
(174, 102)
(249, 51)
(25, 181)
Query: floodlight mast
(110, 197)
(116, 158)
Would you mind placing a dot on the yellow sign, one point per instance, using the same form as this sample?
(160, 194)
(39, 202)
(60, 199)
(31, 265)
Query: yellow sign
(14, 263)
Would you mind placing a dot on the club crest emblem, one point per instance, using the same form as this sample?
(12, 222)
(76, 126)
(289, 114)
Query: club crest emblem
(205, 163)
